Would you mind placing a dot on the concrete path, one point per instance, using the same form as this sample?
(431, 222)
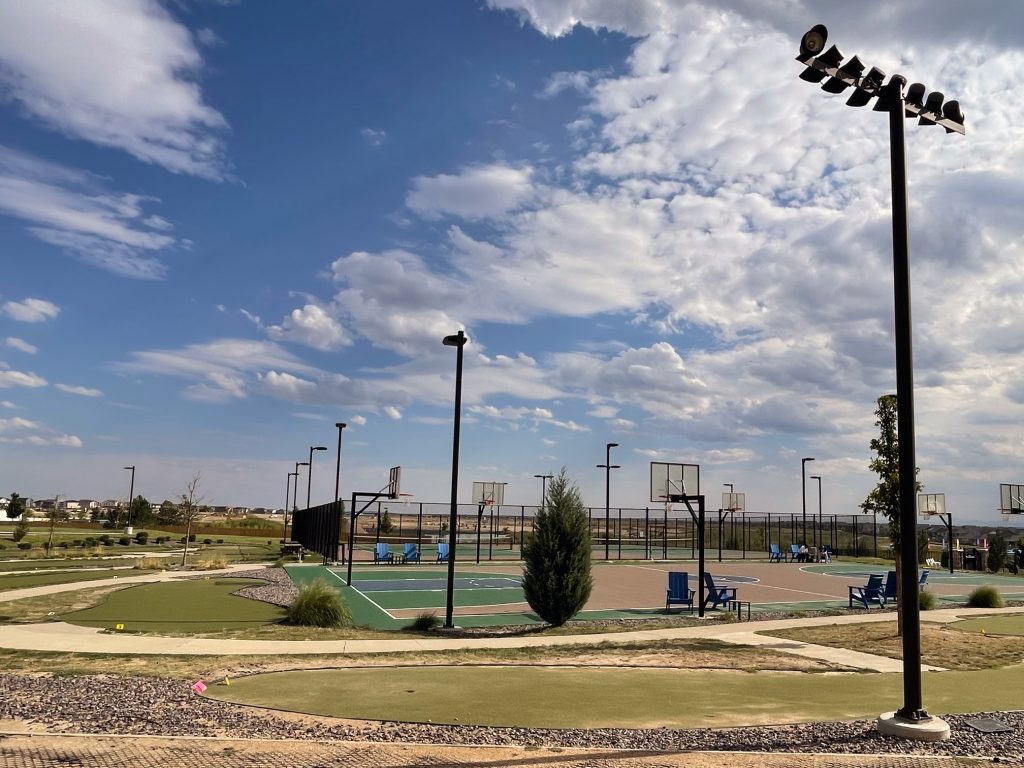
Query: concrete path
(70, 638)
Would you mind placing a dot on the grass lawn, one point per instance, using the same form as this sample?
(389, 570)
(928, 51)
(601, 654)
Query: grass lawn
(23, 580)
(34, 564)
(184, 606)
(615, 697)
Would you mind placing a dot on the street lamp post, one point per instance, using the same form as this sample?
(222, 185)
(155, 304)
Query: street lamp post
(817, 539)
(911, 720)
(131, 495)
(287, 500)
(337, 468)
(309, 473)
(803, 495)
(607, 467)
(295, 497)
(458, 341)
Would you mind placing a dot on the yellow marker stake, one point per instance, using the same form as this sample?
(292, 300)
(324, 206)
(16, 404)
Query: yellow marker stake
(119, 627)
(226, 681)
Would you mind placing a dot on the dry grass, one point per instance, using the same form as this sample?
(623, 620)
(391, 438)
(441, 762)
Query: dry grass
(940, 646)
(150, 564)
(31, 610)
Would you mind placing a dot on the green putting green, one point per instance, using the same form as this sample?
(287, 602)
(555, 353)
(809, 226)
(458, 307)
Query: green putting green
(993, 625)
(24, 580)
(181, 606)
(632, 698)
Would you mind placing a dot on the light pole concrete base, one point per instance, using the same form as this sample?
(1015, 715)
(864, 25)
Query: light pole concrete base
(932, 729)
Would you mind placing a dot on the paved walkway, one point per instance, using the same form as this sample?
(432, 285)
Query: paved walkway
(50, 751)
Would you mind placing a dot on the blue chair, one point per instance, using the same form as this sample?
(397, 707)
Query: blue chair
(717, 595)
(826, 553)
(411, 553)
(923, 580)
(889, 590)
(794, 552)
(775, 554)
(679, 591)
(872, 592)
(442, 551)
(382, 553)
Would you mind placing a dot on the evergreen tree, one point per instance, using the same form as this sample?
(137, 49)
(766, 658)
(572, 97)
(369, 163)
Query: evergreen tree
(556, 570)
(884, 498)
(15, 506)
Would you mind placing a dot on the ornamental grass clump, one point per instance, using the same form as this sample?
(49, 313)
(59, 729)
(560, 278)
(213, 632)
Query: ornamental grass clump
(985, 597)
(318, 605)
(927, 601)
(425, 622)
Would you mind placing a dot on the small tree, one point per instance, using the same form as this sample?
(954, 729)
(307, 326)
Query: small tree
(386, 524)
(15, 507)
(997, 551)
(141, 511)
(884, 499)
(190, 510)
(54, 515)
(20, 528)
(556, 570)
(168, 513)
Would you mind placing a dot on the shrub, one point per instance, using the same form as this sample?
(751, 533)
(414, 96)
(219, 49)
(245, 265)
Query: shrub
(63, 545)
(20, 529)
(985, 597)
(89, 541)
(142, 537)
(556, 561)
(191, 538)
(212, 563)
(996, 555)
(149, 564)
(927, 601)
(220, 541)
(424, 622)
(24, 545)
(105, 540)
(318, 605)
(207, 542)
(124, 541)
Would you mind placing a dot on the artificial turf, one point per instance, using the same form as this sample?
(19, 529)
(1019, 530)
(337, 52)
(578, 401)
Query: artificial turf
(25, 580)
(1011, 624)
(181, 606)
(616, 697)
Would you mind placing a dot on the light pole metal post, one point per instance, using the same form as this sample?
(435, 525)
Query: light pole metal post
(131, 495)
(803, 496)
(608, 467)
(458, 341)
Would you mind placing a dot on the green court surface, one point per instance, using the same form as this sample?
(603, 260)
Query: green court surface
(182, 606)
(628, 698)
(993, 625)
(969, 579)
(24, 580)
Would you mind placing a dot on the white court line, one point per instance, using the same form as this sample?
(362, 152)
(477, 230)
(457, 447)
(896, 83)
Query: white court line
(443, 589)
(364, 596)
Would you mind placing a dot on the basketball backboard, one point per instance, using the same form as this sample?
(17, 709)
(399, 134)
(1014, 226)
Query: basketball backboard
(670, 479)
(394, 487)
(737, 502)
(931, 504)
(1011, 499)
(491, 494)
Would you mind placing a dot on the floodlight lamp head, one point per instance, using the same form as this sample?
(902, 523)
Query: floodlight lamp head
(850, 69)
(932, 104)
(915, 94)
(455, 340)
(951, 111)
(869, 87)
(340, 424)
(813, 41)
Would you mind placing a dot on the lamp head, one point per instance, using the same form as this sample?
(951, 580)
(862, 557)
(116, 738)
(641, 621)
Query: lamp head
(340, 424)
(455, 340)
(131, 468)
(318, 448)
(813, 41)
(612, 445)
(301, 464)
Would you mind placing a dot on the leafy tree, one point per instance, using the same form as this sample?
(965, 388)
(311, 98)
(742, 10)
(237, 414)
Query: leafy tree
(141, 511)
(997, 551)
(884, 498)
(168, 513)
(15, 507)
(556, 570)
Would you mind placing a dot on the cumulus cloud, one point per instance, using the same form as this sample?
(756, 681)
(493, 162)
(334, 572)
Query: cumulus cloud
(19, 431)
(31, 310)
(313, 326)
(10, 378)
(126, 77)
(21, 345)
(477, 192)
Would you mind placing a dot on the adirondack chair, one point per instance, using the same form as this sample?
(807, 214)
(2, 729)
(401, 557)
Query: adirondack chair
(717, 595)
(890, 586)
(872, 592)
(775, 555)
(442, 551)
(411, 553)
(382, 553)
(794, 553)
(679, 591)
(923, 580)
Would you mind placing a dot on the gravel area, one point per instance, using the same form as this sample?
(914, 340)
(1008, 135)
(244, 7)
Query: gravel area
(104, 704)
(279, 589)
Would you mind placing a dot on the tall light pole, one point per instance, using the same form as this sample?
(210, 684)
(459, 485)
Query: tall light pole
(458, 341)
(295, 496)
(309, 474)
(131, 495)
(607, 467)
(911, 720)
(337, 469)
(803, 495)
(544, 489)
(287, 500)
(818, 478)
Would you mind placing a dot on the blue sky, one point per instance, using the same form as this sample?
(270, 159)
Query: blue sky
(226, 226)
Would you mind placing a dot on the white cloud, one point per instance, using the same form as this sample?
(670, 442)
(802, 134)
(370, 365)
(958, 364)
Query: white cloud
(83, 391)
(312, 326)
(7, 404)
(360, 420)
(373, 137)
(21, 344)
(9, 378)
(477, 192)
(19, 431)
(75, 212)
(392, 412)
(118, 73)
(31, 310)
